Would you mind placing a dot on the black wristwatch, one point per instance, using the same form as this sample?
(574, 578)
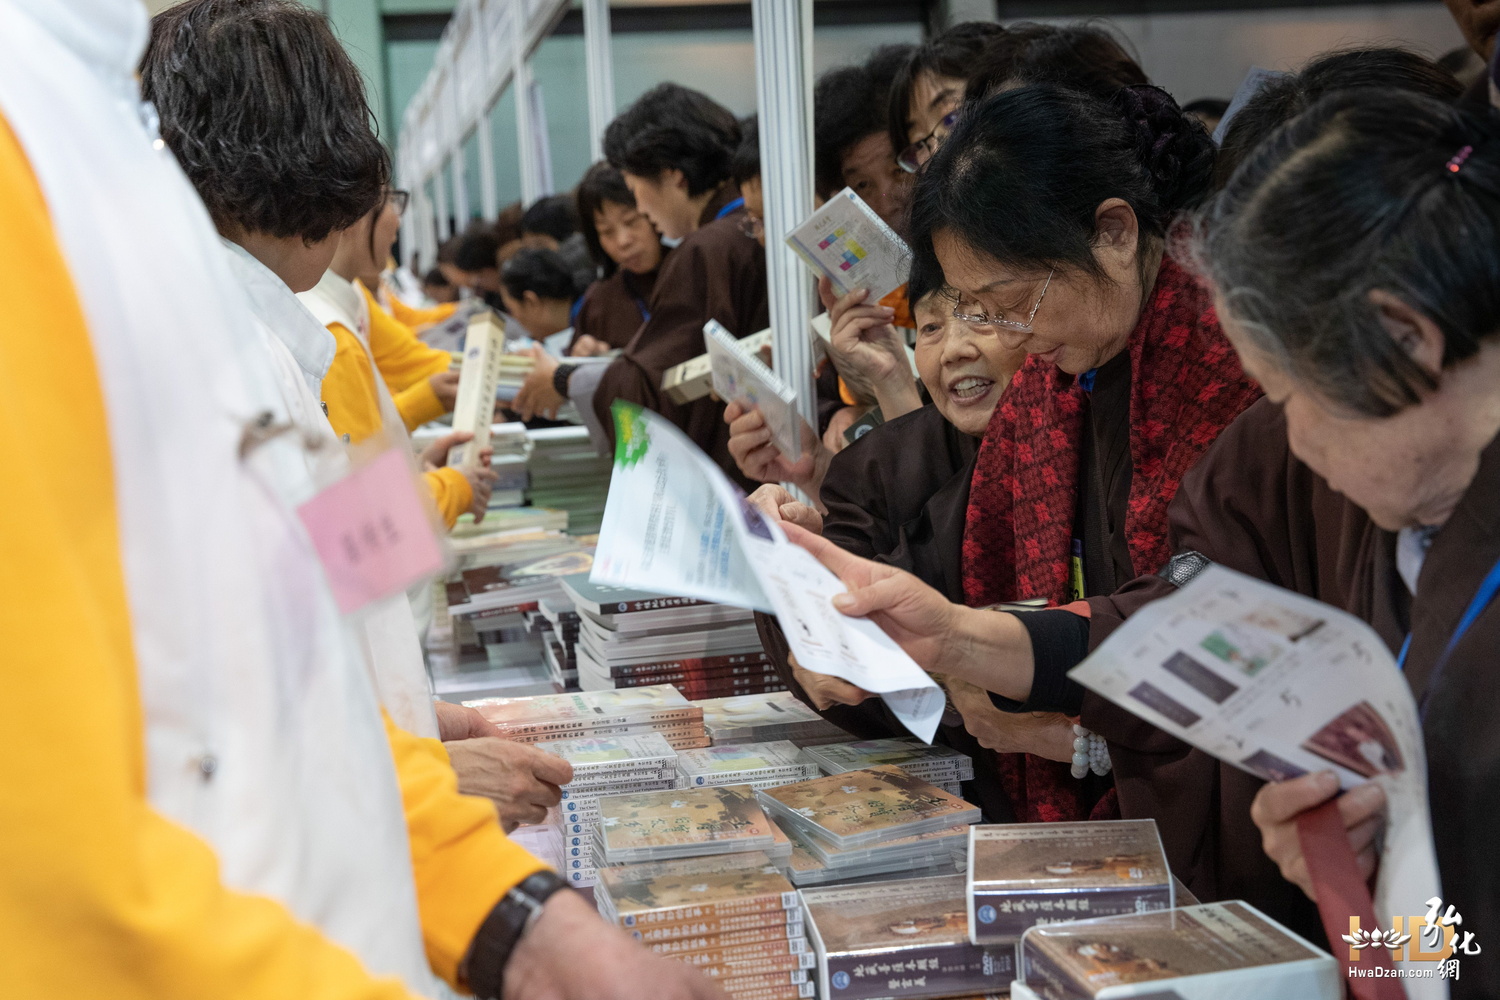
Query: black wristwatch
(560, 376)
(503, 929)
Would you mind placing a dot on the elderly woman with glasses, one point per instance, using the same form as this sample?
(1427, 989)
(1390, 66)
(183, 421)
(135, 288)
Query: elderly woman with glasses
(1046, 211)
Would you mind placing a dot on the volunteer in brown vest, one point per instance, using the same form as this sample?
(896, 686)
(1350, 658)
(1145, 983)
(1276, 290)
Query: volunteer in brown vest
(673, 146)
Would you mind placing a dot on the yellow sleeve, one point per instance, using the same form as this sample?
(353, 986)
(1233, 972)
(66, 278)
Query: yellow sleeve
(464, 863)
(451, 492)
(418, 318)
(100, 896)
(403, 359)
(349, 389)
(418, 405)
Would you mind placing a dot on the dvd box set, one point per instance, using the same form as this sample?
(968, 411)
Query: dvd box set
(680, 823)
(1206, 952)
(942, 766)
(1024, 874)
(869, 806)
(760, 765)
(661, 709)
(906, 939)
(759, 718)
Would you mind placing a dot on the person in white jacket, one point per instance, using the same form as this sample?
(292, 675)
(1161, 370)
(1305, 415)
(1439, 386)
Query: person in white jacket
(316, 851)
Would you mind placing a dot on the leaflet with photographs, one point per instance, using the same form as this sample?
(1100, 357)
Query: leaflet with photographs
(660, 824)
(861, 807)
(1245, 952)
(907, 938)
(1025, 874)
(1281, 685)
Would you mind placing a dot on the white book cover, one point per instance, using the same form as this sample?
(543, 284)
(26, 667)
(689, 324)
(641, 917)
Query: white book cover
(741, 377)
(846, 241)
(474, 407)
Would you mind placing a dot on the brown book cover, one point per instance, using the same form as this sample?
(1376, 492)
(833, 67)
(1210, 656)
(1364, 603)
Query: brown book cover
(643, 899)
(1024, 874)
(692, 663)
(768, 925)
(866, 806)
(770, 950)
(714, 965)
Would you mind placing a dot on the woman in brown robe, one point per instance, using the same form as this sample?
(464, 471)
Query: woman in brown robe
(628, 252)
(1355, 266)
(674, 147)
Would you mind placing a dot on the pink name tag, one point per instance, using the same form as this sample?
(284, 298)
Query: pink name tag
(372, 532)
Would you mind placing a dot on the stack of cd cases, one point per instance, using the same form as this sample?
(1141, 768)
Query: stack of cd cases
(906, 939)
(680, 823)
(871, 806)
(757, 718)
(942, 766)
(940, 852)
(604, 765)
(759, 765)
(735, 918)
(1025, 874)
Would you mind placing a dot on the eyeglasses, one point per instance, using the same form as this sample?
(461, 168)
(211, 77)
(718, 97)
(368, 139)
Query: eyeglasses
(985, 319)
(752, 226)
(913, 156)
(398, 200)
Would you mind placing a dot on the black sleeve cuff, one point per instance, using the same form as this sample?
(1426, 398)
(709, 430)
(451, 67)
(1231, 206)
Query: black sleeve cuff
(1059, 642)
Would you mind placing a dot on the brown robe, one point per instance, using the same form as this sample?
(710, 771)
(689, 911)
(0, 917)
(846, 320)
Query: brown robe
(1254, 507)
(716, 273)
(612, 307)
(898, 496)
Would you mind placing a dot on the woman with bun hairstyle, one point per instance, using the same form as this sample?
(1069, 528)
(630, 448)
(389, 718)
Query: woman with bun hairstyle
(1047, 212)
(542, 293)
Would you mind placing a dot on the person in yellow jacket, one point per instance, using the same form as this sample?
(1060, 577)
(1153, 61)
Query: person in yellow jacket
(218, 821)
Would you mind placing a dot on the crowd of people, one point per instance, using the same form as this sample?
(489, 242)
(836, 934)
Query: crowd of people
(1137, 341)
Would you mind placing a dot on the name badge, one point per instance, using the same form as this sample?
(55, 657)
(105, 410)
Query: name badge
(372, 532)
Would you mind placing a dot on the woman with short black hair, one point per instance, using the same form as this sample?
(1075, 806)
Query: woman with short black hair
(628, 252)
(542, 293)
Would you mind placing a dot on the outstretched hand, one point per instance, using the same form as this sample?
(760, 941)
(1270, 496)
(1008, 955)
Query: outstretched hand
(921, 621)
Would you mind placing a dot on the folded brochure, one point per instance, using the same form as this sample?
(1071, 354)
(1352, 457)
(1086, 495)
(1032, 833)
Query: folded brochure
(674, 522)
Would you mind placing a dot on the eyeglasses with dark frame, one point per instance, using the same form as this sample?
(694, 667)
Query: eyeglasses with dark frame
(912, 157)
(985, 319)
(398, 200)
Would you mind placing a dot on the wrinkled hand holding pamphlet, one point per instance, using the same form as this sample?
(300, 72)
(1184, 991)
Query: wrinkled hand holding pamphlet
(675, 524)
(741, 377)
(1281, 685)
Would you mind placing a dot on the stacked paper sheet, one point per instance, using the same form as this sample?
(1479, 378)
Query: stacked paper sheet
(598, 713)
(735, 918)
(942, 766)
(602, 766)
(567, 473)
(630, 638)
(758, 718)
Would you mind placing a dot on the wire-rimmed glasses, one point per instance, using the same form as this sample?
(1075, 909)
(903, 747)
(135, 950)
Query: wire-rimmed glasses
(985, 319)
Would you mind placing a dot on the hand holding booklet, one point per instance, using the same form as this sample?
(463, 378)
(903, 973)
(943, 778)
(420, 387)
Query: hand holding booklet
(1281, 685)
(675, 524)
(741, 377)
(848, 243)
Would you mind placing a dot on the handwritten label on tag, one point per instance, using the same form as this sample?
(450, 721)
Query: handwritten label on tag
(372, 533)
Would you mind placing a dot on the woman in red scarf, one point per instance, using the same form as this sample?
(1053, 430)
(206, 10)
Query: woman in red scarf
(1047, 211)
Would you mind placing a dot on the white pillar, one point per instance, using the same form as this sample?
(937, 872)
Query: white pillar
(600, 68)
(489, 199)
(520, 86)
(783, 84)
(440, 197)
(460, 189)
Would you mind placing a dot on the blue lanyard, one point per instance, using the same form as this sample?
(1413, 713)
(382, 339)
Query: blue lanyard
(1488, 588)
(1086, 380)
(573, 312)
(733, 206)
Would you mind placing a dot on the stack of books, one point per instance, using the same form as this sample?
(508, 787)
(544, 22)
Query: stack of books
(941, 766)
(604, 765)
(869, 822)
(1025, 874)
(1207, 952)
(513, 371)
(567, 473)
(734, 918)
(759, 765)
(757, 718)
(906, 939)
(636, 711)
(632, 638)
(680, 823)
(560, 644)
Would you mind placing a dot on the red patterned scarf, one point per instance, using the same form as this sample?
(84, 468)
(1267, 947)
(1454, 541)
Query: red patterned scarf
(1186, 385)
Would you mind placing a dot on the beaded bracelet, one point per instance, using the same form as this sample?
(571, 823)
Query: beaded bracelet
(1090, 753)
